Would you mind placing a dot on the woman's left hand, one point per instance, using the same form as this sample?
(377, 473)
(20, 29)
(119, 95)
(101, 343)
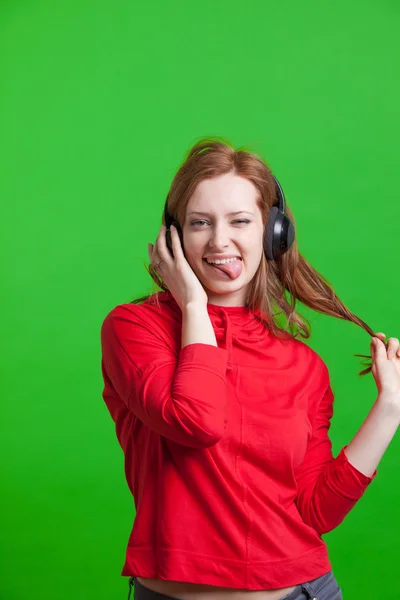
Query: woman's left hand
(386, 365)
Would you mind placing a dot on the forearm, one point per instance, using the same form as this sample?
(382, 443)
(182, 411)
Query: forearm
(196, 326)
(369, 444)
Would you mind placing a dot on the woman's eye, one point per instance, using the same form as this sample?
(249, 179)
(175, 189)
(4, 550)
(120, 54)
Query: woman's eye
(237, 221)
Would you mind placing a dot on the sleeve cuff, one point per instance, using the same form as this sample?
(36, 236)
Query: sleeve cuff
(351, 482)
(207, 356)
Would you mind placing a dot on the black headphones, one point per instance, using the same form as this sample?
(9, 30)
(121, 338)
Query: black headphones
(278, 234)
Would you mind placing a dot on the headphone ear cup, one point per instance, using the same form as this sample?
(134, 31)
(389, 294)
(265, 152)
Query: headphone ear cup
(270, 232)
(289, 232)
(279, 234)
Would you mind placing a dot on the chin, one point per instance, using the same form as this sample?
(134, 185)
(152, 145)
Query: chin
(223, 287)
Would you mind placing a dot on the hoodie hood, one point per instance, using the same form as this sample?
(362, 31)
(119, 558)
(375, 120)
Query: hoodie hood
(237, 325)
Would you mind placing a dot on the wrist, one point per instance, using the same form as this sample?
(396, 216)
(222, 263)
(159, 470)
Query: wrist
(388, 404)
(194, 307)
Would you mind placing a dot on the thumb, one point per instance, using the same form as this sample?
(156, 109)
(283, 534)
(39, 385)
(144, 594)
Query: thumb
(378, 349)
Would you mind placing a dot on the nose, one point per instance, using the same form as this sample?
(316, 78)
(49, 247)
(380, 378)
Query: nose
(219, 237)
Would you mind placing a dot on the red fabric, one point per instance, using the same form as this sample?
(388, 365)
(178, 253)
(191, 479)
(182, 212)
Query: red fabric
(226, 448)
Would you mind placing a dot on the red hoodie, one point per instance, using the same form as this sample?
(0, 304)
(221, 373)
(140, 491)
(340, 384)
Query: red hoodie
(227, 453)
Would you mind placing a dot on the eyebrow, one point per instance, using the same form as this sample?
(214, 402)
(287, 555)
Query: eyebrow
(238, 212)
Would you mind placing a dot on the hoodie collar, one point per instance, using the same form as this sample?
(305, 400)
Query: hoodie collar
(232, 324)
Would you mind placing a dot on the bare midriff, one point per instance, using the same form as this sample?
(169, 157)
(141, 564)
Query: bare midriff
(193, 591)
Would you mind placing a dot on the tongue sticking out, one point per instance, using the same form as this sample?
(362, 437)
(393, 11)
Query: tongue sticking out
(233, 269)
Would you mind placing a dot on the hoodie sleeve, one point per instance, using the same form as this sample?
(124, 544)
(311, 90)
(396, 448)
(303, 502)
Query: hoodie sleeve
(327, 487)
(182, 398)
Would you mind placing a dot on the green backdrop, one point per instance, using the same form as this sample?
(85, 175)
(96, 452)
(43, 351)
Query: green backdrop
(99, 103)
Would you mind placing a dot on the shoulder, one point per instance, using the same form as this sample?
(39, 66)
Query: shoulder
(150, 307)
(154, 314)
(314, 361)
(124, 312)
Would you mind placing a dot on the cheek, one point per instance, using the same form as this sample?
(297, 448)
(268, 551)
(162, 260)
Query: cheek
(191, 241)
(194, 255)
(253, 249)
(193, 251)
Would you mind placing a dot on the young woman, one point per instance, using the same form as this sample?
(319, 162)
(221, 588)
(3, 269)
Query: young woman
(223, 416)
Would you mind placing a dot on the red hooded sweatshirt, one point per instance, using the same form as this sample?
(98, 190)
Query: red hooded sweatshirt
(226, 448)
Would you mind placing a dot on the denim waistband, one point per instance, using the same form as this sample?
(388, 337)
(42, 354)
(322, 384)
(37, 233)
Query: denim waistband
(324, 587)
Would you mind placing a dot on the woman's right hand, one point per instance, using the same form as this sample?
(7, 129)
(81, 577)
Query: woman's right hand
(175, 271)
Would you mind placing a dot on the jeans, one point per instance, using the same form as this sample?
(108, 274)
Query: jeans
(321, 588)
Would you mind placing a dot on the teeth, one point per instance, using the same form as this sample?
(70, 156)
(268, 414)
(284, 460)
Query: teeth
(221, 262)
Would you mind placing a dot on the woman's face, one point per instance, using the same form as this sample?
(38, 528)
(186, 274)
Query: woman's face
(209, 229)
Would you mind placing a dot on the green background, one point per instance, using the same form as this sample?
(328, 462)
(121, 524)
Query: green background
(99, 103)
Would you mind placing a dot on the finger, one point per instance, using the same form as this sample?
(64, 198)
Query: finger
(152, 252)
(176, 243)
(163, 251)
(382, 337)
(372, 349)
(393, 346)
(156, 248)
(378, 350)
